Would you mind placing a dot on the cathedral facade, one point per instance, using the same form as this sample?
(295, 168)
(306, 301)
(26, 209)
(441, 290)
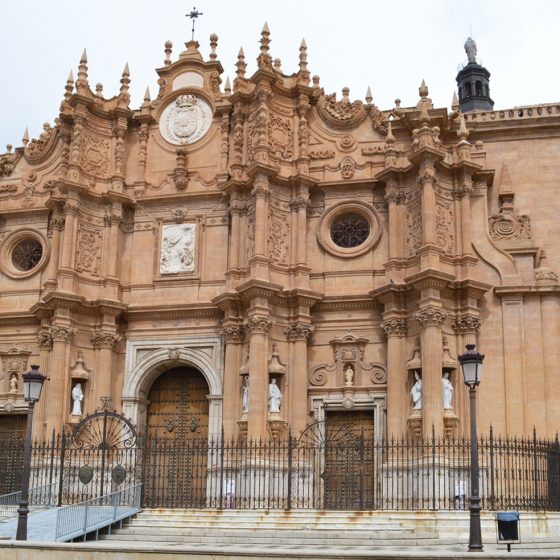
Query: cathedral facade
(263, 255)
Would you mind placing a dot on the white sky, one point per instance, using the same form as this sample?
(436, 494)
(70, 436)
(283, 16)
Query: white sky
(390, 45)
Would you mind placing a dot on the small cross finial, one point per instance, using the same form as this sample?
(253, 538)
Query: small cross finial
(194, 14)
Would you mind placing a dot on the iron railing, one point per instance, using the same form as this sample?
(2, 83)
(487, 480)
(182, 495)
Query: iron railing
(40, 497)
(353, 472)
(79, 519)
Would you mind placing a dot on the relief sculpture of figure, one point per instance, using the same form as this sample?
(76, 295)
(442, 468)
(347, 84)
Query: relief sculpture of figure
(245, 397)
(447, 389)
(274, 396)
(77, 398)
(416, 392)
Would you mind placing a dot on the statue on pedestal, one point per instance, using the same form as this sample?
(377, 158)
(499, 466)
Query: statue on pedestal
(77, 398)
(416, 392)
(447, 389)
(274, 396)
(245, 395)
(349, 376)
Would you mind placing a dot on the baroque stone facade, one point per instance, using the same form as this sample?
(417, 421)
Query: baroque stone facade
(271, 233)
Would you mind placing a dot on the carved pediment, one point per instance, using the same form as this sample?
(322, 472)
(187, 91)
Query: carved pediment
(342, 114)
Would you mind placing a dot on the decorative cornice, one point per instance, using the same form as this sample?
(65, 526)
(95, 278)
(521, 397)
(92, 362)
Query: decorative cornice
(199, 310)
(466, 324)
(299, 331)
(394, 327)
(431, 316)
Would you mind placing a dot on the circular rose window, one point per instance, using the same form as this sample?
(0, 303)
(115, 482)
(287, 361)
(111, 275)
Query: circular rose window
(349, 230)
(27, 254)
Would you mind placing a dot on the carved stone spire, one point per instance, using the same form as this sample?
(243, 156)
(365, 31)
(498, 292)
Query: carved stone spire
(264, 60)
(69, 88)
(125, 79)
(25, 137)
(82, 81)
(303, 71)
(463, 132)
(369, 96)
(227, 88)
(241, 65)
(455, 102)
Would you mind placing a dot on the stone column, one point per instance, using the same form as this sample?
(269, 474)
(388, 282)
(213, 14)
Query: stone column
(68, 245)
(298, 334)
(56, 227)
(391, 198)
(301, 205)
(427, 179)
(431, 318)
(45, 343)
(466, 217)
(258, 326)
(261, 194)
(104, 343)
(233, 335)
(397, 396)
(112, 259)
(551, 326)
(235, 208)
(57, 394)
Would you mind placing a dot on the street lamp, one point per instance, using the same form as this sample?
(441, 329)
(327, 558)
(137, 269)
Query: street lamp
(471, 365)
(32, 384)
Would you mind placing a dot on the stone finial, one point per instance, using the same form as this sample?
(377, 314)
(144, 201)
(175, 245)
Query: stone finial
(390, 138)
(25, 137)
(397, 103)
(69, 88)
(455, 102)
(369, 96)
(463, 132)
(346, 94)
(423, 90)
(213, 45)
(278, 65)
(168, 46)
(303, 71)
(506, 186)
(9, 148)
(470, 49)
(147, 98)
(125, 79)
(99, 89)
(316, 80)
(264, 60)
(82, 81)
(227, 88)
(241, 65)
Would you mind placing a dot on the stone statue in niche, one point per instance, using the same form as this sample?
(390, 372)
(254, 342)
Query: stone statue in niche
(416, 392)
(348, 376)
(274, 396)
(177, 249)
(245, 394)
(13, 383)
(447, 389)
(77, 398)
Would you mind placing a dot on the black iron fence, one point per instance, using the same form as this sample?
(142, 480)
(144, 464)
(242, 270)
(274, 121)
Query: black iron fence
(354, 472)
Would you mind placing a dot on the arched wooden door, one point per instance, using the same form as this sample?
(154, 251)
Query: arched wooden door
(176, 461)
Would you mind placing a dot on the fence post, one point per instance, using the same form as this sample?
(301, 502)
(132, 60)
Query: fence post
(144, 455)
(289, 503)
(51, 470)
(535, 471)
(362, 470)
(61, 477)
(433, 467)
(86, 519)
(492, 490)
(221, 448)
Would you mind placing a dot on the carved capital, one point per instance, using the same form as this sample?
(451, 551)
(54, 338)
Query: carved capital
(233, 334)
(460, 191)
(260, 191)
(62, 334)
(45, 340)
(237, 207)
(258, 324)
(394, 327)
(102, 339)
(466, 324)
(431, 316)
(426, 177)
(72, 208)
(299, 331)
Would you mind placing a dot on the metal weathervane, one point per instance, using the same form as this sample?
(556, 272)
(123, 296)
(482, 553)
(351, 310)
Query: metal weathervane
(194, 14)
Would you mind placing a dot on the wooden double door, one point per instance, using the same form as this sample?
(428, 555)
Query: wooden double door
(177, 433)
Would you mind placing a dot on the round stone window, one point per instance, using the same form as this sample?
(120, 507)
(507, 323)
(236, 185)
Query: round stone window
(27, 254)
(349, 230)
(24, 252)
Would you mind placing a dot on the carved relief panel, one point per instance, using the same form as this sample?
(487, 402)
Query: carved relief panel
(278, 249)
(177, 253)
(89, 249)
(185, 120)
(414, 234)
(95, 156)
(445, 232)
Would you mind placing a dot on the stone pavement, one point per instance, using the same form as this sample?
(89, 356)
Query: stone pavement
(41, 526)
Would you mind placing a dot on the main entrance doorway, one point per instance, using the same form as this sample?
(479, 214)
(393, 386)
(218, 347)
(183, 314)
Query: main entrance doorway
(176, 462)
(349, 460)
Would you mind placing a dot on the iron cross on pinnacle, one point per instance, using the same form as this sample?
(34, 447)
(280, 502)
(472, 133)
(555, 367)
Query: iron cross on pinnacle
(194, 15)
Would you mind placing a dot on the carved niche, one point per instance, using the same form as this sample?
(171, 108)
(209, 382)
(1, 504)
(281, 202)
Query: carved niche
(177, 249)
(88, 252)
(348, 353)
(14, 364)
(185, 120)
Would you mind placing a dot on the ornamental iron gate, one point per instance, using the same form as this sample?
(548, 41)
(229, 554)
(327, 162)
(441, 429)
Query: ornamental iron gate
(333, 465)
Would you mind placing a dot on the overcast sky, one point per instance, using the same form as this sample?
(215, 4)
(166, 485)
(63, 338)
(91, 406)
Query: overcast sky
(390, 45)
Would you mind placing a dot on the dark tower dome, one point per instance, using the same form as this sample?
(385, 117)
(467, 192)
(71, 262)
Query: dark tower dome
(473, 81)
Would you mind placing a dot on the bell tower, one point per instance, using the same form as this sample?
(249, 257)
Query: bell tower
(473, 81)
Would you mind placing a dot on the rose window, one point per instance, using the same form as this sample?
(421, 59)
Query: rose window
(27, 254)
(350, 230)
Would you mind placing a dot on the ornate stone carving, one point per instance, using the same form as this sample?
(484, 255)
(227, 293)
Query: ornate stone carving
(378, 149)
(88, 253)
(174, 353)
(347, 168)
(177, 249)
(445, 232)
(8, 189)
(103, 339)
(45, 340)
(79, 370)
(431, 316)
(250, 236)
(185, 120)
(38, 148)
(466, 324)
(509, 226)
(180, 173)
(378, 120)
(319, 374)
(321, 154)
(14, 360)
(258, 324)
(278, 237)
(376, 373)
(343, 113)
(299, 331)
(233, 334)
(61, 333)
(394, 327)
(414, 234)
(96, 156)
(280, 136)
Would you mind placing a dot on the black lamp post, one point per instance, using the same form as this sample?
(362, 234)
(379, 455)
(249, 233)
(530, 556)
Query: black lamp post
(32, 385)
(471, 365)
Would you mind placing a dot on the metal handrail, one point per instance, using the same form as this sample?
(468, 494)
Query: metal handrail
(40, 497)
(85, 517)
